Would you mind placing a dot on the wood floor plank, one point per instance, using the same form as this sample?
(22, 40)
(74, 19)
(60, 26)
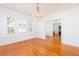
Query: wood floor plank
(38, 47)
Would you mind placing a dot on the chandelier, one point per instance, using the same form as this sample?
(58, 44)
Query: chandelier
(38, 15)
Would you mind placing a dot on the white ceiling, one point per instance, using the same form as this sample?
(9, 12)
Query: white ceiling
(46, 8)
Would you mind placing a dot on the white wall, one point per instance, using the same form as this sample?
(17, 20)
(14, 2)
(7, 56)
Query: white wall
(70, 25)
(11, 38)
(49, 27)
(38, 27)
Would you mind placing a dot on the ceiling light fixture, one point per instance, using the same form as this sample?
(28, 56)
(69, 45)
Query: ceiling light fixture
(38, 15)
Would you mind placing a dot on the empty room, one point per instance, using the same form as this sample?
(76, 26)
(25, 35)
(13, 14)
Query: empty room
(39, 29)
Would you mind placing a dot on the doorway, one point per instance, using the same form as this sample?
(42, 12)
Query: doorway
(57, 37)
(57, 29)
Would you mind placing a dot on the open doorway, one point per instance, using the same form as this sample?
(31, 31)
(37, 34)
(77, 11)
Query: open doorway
(57, 36)
(57, 28)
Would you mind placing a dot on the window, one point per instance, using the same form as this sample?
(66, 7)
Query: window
(18, 25)
(10, 25)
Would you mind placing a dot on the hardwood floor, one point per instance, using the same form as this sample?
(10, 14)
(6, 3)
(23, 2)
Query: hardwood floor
(37, 47)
